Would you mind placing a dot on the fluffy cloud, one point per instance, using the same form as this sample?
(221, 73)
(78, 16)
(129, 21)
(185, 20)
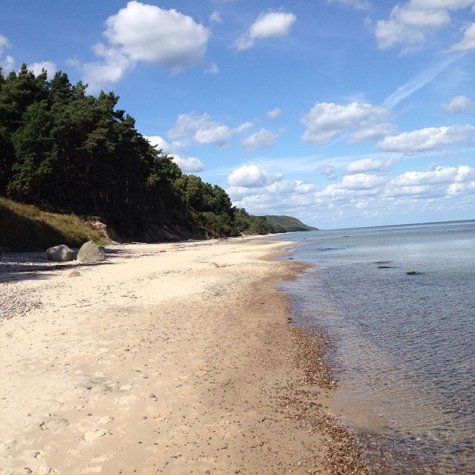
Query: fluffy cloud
(262, 139)
(327, 120)
(187, 164)
(153, 35)
(162, 144)
(7, 64)
(328, 170)
(201, 129)
(290, 197)
(112, 67)
(372, 132)
(146, 33)
(368, 165)
(438, 182)
(458, 104)
(4, 43)
(408, 24)
(274, 113)
(268, 25)
(360, 196)
(431, 138)
(48, 66)
(251, 176)
(357, 4)
(468, 40)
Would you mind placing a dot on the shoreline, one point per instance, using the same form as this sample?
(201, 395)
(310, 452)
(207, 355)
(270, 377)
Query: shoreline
(169, 358)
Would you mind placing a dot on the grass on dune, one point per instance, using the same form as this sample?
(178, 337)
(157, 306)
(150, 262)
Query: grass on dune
(27, 228)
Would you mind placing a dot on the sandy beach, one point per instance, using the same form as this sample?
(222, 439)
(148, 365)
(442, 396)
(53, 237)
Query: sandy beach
(167, 358)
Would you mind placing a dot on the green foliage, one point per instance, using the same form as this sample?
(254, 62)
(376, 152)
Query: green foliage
(286, 224)
(65, 151)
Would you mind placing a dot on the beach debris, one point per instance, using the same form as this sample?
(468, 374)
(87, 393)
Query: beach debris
(90, 253)
(60, 253)
(74, 273)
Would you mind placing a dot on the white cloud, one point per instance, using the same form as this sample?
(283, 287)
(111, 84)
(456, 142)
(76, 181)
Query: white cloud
(274, 113)
(408, 24)
(162, 144)
(187, 164)
(359, 198)
(468, 40)
(326, 121)
(212, 69)
(149, 34)
(274, 24)
(362, 181)
(243, 127)
(328, 170)
(262, 139)
(215, 17)
(458, 104)
(251, 176)
(109, 70)
(4, 43)
(201, 129)
(369, 165)
(8, 63)
(440, 182)
(431, 138)
(213, 133)
(48, 66)
(357, 4)
(372, 132)
(153, 35)
(445, 4)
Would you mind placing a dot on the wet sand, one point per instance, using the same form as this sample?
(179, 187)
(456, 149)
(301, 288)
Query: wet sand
(173, 359)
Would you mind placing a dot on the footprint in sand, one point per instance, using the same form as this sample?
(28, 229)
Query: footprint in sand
(104, 420)
(90, 437)
(96, 469)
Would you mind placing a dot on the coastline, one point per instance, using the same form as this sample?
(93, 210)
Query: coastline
(169, 358)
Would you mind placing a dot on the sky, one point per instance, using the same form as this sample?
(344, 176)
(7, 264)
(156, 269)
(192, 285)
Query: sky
(342, 113)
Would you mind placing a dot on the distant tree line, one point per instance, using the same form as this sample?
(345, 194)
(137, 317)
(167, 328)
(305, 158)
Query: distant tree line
(66, 151)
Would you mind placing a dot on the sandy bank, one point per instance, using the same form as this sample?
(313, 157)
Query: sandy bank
(172, 359)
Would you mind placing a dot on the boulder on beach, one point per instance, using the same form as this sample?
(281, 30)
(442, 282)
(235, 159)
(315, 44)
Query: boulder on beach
(61, 253)
(90, 253)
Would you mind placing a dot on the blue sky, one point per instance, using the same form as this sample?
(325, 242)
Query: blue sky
(342, 113)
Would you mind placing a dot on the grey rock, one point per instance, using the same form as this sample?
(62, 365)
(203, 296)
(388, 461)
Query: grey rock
(90, 253)
(61, 253)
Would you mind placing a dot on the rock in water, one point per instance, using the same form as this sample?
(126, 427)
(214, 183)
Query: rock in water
(61, 253)
(90, 253)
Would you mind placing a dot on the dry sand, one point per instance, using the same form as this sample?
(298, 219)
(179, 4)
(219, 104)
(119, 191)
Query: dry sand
(174, 359)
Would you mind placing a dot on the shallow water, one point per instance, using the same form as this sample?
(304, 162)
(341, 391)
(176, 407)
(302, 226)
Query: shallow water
(404, 351)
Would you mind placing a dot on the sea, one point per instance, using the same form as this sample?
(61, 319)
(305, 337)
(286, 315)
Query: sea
(398, 304)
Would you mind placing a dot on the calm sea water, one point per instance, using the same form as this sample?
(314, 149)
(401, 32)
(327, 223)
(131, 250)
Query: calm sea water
(404, 344)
